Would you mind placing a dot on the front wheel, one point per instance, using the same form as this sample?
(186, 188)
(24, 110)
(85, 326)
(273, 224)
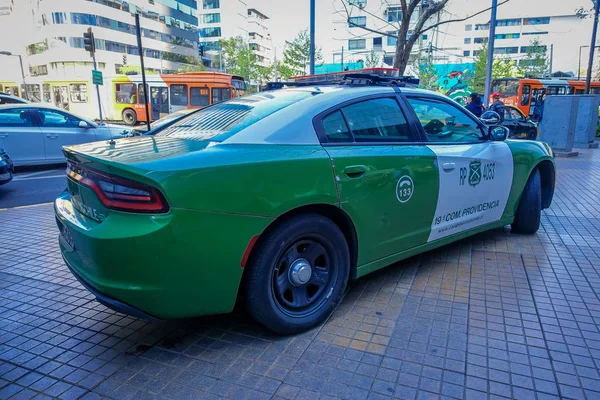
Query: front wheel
(297, 274)
(529, 211)
(129, 117)
(532, 135)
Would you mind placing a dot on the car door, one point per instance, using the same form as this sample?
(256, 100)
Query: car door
(522, 127)
(61, 129)
(386, 182)
(20, 136)
(475, 174)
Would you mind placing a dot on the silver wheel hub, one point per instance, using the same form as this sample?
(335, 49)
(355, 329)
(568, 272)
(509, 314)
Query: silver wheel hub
(300, 272)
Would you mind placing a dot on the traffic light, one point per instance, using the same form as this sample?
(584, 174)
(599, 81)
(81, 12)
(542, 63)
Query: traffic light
(88, 42)
(124, 59)
(201, 50)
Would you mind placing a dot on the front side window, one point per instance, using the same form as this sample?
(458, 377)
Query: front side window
(444, 122)
(179, 96)
(526, 95)
(56, 119)
(125, 93)
(78, 92)
(199, 97)
(15, 117)
(220, 95)
(514, 114)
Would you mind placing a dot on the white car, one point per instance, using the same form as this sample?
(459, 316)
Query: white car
(34, 134)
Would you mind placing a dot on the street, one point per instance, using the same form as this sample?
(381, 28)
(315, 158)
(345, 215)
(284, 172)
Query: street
(33, 187)
(498, 315)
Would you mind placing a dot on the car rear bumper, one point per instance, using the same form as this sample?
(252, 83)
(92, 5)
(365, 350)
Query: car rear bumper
(182, 264)
(6, 174)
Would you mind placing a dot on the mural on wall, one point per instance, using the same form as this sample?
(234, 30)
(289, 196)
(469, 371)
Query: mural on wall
(453, 80)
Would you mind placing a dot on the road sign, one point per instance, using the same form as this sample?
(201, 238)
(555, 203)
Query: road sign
(96, 77)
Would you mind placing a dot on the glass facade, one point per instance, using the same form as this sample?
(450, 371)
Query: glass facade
(536, 21)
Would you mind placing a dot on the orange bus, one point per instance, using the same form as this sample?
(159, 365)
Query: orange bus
(578, 87)
(525, 93)
(169, 93)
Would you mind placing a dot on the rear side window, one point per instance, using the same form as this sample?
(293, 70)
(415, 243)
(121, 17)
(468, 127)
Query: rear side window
(369, 121)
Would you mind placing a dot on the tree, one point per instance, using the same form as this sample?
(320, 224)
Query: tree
(296, 56)
(191, 68)
(238, 58)
(372, 60)
(428, 78)
(501, 68)
(535, 64)
(404, 23)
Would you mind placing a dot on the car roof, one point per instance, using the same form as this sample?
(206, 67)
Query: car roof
(40, 106)
(10, 96)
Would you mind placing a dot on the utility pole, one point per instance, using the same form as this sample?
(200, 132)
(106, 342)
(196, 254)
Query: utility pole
(588, 78)
(220, 58)
(342, 58)
(551, 58)
(490, 60)
(138, 32)
(89, 43)
(312, 37)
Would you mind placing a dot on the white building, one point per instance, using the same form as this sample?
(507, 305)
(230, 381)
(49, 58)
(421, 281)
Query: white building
(553, 22)
(259, 37)
(221, 19)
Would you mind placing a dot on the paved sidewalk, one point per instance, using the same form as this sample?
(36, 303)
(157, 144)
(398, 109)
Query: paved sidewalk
(494, 316)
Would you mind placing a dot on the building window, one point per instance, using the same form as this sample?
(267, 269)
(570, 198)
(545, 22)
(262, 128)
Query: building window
(534, 33)
(480, 40)
(358, 3)
(508, 36)
(482, 27)
(525, 49)
(468, 40)
(509, 22)
(357, 44)
(377, 42)
(59, 18)
(467, 53)
(78, 92)
(536, 21)
(36, 48)
(357, 21)
(391, 41)
(506, 50)
(199, 96)
(211, 18)
(394, 14)
(425, 36)
(210, 4)
(179, 96)
(468, 27)
(38, 70)
(476, 53)
(211, 46)
(210, 32)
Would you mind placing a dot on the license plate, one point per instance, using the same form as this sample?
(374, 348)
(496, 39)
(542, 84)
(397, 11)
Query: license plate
(68, 238)
(5, 176)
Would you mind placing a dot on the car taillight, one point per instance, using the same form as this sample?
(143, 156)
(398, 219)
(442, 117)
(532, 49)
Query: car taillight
(119, 193)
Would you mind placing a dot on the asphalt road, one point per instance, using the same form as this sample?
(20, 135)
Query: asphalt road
(33, 187)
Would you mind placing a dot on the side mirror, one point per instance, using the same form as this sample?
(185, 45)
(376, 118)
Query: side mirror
(83, 124)
(499, 133)
(490, 118)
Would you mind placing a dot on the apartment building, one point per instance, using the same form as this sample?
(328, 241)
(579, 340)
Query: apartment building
(54, 45)
(221, 19)
(259, 37)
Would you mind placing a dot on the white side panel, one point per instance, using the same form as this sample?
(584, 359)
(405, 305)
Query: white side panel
(475, 182)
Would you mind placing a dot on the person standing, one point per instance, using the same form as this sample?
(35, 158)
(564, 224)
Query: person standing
(498, 106)
(538, 110)
(475, 105)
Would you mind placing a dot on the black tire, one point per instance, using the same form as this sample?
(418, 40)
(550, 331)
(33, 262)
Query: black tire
(275, 296)
(532, 135)
(129, 117)
(529, 211)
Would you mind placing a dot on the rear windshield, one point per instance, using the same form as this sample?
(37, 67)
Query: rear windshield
(223, 120)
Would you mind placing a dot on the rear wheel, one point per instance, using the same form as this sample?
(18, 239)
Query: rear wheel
(297, 274)
(129, 117)
(532, 134)
(529, 211)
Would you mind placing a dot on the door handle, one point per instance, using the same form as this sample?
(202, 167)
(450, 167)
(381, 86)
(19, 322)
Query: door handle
(52, 136)
(449, 166)
(355, 171)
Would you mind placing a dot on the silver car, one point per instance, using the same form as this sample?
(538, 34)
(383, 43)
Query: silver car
(34, 134)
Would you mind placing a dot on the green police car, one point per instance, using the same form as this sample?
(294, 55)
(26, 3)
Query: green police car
(276, 200)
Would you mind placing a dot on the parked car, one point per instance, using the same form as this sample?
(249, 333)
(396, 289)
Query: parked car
(6, 167)
(284, 196)
(9, 99)
(519, 125)
(163, 122)
(35, 134)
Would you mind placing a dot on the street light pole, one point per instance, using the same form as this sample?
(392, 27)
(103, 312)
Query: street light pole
(312, 37)
(490, 60)
(588, 78)
(8, 53)
(579, 62)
